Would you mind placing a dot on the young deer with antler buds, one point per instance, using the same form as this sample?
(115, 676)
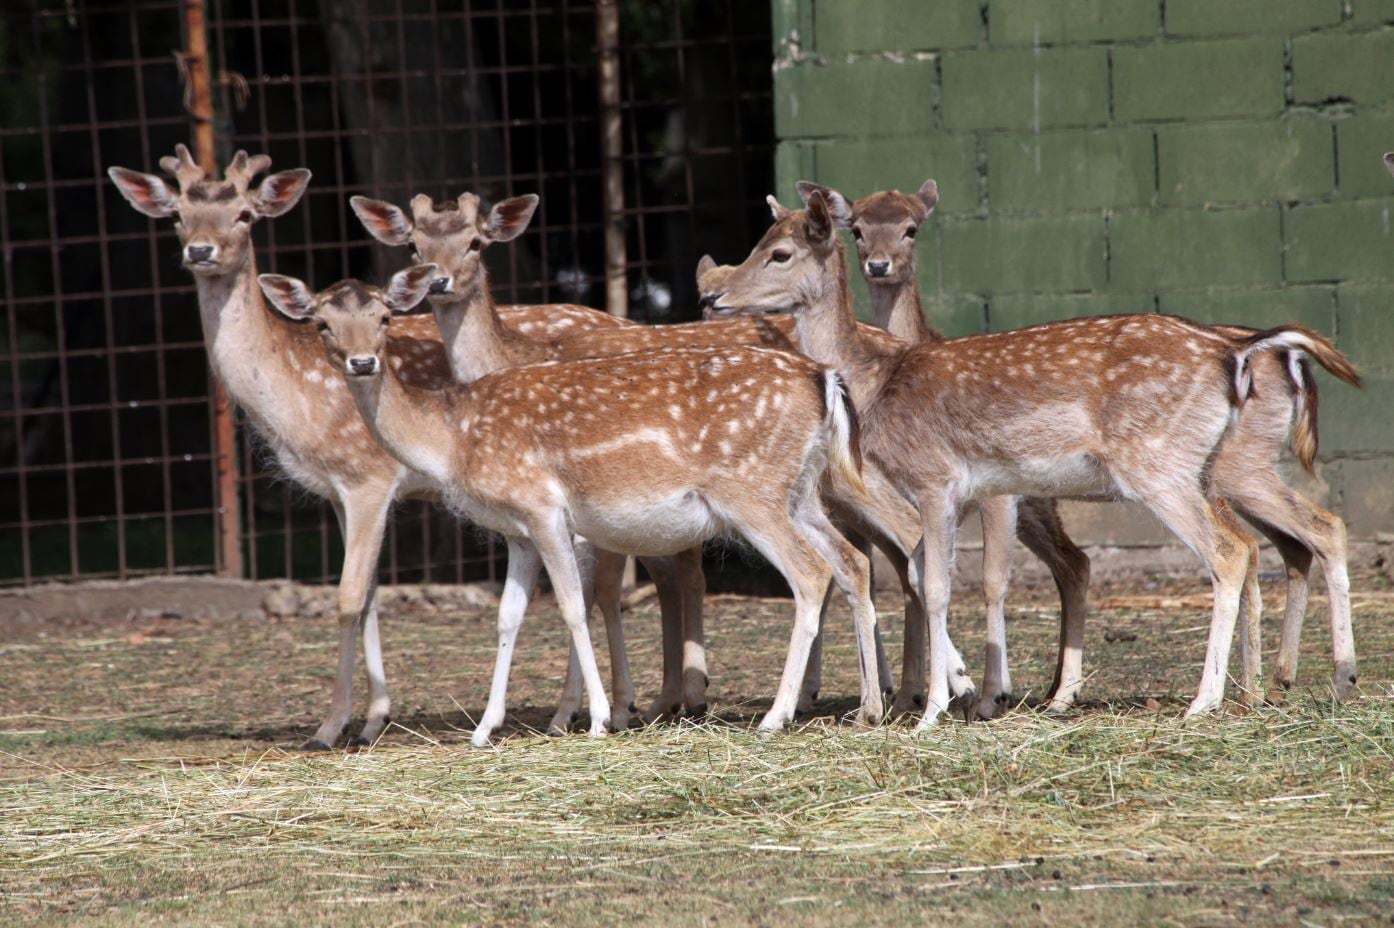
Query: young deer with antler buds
(541, 451)
(1131, 407)
(1283, 401)
(276, 372)
(453, 235)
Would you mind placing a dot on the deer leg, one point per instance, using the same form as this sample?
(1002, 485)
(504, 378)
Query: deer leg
(999, 521)
(671, 608)
(851, 571)
(523, 564)
(1266, 499)
(1039, 528)
(362, 518)
(606, 589)
(961, 687)
(1216, 538)
(554, 546)
(1250, 640)
(939, 519)
(1297, 563)
(813, 669)
(602, 578)
(692, 586)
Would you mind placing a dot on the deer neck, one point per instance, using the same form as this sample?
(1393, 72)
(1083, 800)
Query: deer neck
(249, 347)
(473, 335)
(406, 422)
(825, 324)
(897, 309)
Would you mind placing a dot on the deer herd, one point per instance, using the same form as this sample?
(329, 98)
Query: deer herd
(582, 438)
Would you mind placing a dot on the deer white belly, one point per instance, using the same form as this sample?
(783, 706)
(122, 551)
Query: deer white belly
(647, 524)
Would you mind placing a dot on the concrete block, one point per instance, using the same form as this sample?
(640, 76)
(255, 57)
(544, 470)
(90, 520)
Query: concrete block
(1025, 89)
(1366, 326)
(1361, 142)
(1281, 159)
(1366, 495)
(1054, 22)
(1080, 168)
(1356, 421)
(1339, 241)
(1370, 12)
(1249, 17)
(1005, 255)
(859, 167)
(895, 25)
(871, 97)
(1352, 66)
(1177, 248)
(1313, 307)
(1014, 311)
(1193, 80)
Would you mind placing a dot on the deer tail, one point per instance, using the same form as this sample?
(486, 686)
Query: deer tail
(845, 451)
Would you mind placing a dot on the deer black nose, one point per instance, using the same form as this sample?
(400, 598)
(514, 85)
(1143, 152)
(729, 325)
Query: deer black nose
(440, 284)
(878, 268)
(199, 252)
(363, 366)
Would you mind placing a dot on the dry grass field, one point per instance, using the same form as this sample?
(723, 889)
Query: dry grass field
(148, 776)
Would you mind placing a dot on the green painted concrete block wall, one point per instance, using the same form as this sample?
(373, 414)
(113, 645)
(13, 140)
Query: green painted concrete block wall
(1218, 160)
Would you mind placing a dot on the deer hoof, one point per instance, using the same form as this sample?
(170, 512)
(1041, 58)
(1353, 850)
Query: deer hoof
(315, 745)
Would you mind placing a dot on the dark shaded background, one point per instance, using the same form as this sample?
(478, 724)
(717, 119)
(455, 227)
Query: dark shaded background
(105, 466)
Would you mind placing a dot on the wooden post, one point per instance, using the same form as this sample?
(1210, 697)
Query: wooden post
(200, 105)
(607, 30)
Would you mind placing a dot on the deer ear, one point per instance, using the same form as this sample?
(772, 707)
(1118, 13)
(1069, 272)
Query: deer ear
(929, 194)
(839, 208)
(818, 219)
(1389, 161)
(705, 265)
(777, 209)
(146, 192)
(509, 218)
(384, 222)
(408, 287)
(290, 297)
(280, 192)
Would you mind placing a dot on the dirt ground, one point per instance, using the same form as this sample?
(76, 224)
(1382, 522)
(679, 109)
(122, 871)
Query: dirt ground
(148, 772)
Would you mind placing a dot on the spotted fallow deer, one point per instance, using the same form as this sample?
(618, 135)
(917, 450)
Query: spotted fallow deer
(453, 235)
(267, 363)
(1132, 407)
(542, 451)
(1281, 411)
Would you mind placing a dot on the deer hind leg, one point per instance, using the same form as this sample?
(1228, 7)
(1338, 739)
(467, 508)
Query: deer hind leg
(960, 683)
(1224, 548)
(362, 517)
(1251, 611)
(523, 565)
(692, 587)
(1039, 528)
(939, 519)
(554, 546)
(1266, 499)
(813, 670)
(606, 589)
(999, 522)
(668, 703)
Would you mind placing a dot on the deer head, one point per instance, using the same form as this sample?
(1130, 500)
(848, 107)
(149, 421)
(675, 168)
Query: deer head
(884, 226)
(452, 235)
(213, 219)
(787, 269)
(1389, 161)
(352, 316)
(711, 282)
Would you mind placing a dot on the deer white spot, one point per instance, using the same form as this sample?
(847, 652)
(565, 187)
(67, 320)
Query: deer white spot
(313, 376)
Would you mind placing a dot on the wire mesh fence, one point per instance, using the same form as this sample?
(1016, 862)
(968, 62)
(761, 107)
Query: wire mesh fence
(106, 448)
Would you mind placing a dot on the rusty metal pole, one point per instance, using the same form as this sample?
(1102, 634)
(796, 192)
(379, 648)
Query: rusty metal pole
(200, 105)
(607, 30)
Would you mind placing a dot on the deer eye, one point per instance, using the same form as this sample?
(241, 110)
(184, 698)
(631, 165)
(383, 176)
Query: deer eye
(857, 233)
(779, 256)
(910, 232)
(245, 216)
(476, 244)
(321, 325)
